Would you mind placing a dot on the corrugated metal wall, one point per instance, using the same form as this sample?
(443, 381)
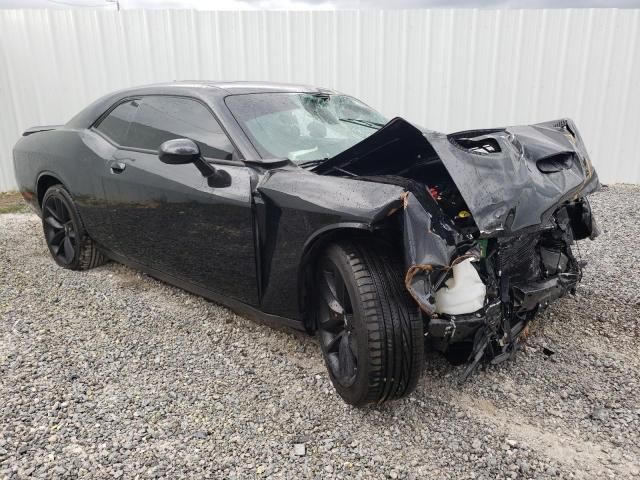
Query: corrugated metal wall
(443, 69)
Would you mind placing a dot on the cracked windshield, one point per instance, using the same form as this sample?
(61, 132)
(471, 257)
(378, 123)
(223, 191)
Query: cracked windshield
(305, 128)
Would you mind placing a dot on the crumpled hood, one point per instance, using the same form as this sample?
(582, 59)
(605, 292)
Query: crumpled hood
(511, 178)
(534, 169)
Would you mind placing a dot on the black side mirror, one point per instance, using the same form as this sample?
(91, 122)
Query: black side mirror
(182, 151)
(179, 151)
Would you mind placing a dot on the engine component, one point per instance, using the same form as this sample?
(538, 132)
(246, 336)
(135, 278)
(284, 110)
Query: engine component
(463, 293)
(553, 260)
(517, 258)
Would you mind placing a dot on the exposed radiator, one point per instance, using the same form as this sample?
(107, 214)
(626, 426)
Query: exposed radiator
(518, 258)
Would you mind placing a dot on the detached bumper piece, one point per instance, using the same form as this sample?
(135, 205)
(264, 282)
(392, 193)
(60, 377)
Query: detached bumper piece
(539, 294)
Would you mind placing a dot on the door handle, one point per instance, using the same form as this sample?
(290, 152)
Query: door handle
(117, 167)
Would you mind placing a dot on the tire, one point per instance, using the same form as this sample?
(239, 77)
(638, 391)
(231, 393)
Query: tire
(68, 241)
(370, 330)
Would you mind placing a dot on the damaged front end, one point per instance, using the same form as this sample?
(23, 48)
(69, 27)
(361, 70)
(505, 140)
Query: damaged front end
(490, 222)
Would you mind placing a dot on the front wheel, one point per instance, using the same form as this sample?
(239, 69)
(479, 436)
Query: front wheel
(369, 328)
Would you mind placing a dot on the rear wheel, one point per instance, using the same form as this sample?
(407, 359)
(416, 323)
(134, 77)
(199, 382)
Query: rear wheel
(369, 328)
(68, 242)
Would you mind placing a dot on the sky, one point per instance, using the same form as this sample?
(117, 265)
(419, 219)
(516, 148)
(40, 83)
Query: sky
(316, 4)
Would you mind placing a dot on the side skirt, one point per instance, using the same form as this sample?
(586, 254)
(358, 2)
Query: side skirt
(237, 306)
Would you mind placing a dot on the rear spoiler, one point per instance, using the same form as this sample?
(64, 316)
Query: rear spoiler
(43, 128)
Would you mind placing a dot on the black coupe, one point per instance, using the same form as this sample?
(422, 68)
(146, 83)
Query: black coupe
(305, 207)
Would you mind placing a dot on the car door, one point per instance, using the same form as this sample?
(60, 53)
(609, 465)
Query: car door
(167, 217)
(90, 169)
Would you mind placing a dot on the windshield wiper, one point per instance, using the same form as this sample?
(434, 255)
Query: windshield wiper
(363, 123)
(312, 163)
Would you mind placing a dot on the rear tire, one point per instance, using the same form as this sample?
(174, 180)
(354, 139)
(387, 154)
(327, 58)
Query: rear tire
(370, 330)
(68, 241)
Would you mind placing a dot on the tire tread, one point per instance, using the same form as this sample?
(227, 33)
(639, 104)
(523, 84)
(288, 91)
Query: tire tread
(392, 319)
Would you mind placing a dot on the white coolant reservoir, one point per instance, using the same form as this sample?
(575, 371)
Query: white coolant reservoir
(464, 293)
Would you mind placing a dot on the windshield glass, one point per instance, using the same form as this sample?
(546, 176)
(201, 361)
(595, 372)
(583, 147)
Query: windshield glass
(303, 126)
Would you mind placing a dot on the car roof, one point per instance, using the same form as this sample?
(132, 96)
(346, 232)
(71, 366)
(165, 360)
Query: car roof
(239, 87)
(206, 90)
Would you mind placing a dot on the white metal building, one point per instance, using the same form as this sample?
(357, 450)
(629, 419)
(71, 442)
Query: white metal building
(443, 69)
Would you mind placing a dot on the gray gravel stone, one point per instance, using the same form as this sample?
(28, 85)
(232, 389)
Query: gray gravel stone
(299, 449)
(109, 373)
(599, 414)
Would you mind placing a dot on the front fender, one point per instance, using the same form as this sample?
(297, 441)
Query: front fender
(299, 208)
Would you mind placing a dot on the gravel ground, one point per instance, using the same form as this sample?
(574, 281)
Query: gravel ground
(109, 373)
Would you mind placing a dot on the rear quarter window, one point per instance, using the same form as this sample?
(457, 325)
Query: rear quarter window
(115, 125)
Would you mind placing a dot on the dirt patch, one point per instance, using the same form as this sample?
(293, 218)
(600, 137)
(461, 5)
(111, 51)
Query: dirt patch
(574, 453)
(12, 202)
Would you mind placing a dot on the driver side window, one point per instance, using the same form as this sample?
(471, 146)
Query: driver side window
(160, 118)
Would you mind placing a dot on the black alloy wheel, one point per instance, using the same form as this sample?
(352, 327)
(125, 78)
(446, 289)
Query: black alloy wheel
(335, 325)
(59, 230)
(69, 244)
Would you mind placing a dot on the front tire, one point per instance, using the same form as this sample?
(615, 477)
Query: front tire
(369, 328)
(68, 242)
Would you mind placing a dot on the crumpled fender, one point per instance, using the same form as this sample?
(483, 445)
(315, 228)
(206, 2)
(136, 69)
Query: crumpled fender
(424, 250)
(299, 207)
(340, 198)
(294, 209)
